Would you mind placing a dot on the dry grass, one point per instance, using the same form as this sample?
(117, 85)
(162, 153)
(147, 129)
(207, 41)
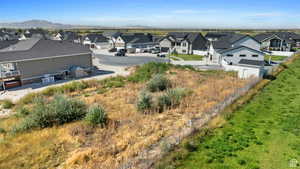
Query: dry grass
(78, 146)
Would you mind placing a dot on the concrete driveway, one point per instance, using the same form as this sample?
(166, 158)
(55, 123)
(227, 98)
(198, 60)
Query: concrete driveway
(127, 60)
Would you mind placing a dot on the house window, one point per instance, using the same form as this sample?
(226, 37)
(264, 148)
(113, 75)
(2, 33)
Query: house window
(183, 51)
(255, 56)
(229, 55)
(177, 44)
(242, 55)
(184, 44)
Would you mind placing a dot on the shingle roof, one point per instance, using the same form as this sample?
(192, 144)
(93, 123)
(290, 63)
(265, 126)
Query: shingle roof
(226, 41)
(94, 38)
(21, 45)
(137, 38)
(237, 47)
(252, 62)
(287, 36)
(43, 49)
(5, 43)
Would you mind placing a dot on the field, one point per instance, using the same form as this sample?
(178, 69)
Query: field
(127, 132)
(262, 134)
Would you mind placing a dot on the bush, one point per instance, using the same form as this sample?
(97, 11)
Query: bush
(163, 102)
(96, 116)
(145, 72)
(59, 111)
(2, 131)
(144, 102)
(158, 83)
(22, 112)
(27, 99)
(73, 86)
(7, 104)
(114, 82)
(176, 95)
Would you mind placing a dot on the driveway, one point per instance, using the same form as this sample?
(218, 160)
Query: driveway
(127, 60)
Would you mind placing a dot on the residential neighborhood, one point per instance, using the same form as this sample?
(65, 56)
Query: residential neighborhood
(149, 85)
(231, 51)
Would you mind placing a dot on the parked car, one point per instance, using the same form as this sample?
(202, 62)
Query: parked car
(161, 56)
(112, 50)
(121, 52)
(155, 51)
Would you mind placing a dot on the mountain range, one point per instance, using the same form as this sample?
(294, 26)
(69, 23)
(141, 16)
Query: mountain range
(51, 25)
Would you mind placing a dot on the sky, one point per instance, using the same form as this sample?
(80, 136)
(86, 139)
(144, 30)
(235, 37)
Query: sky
(158, 13)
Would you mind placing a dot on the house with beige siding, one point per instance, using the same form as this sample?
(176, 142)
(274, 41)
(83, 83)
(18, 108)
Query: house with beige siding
(39, 60)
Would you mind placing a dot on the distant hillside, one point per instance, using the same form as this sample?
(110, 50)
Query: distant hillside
(36, 24)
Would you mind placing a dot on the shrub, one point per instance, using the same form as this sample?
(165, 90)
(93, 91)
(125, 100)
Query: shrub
(145, 72)
(114, 82)
(163, 102)
(144, 102)
(7, 104)
(73, 86)
(22, 111)
(176, 95)
(59, 111)
(158, 83)
(27, 99)
(96, 116)
(191, 147)
(2, 131)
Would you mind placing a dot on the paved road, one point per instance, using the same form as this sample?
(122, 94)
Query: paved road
(128, 60)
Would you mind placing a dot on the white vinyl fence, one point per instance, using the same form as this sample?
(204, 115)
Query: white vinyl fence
(282, 53)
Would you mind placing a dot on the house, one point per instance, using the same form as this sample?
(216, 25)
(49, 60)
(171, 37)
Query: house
(96, 41)
(112, 36)
(215, 36)
(232, 48)
(183, 42)
(135, 41)
(67, 36)
(36, 33)
(279, 41)
(41, 60)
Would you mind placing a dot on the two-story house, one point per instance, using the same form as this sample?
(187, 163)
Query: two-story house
(279, 41)
(67, 36)
(96, 41)
(183, 42)
(234, 49)
(135, 41)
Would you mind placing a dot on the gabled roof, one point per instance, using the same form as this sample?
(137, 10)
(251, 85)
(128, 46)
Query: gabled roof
(112, 34)
(45, 49)
(238, 47)
(287, 36)
(69, 35)
(96, 38)
(137, 38)
(7, 43)
(217, 34)
(252, 62)
(21, 45)
(227, 41)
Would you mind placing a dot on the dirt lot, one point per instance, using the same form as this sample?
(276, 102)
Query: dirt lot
(77, 145)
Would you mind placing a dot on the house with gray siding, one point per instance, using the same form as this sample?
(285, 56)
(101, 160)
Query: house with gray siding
(34, 60)
(96, 41)
(279, 41)
(135, 41)
(183, 42)
(232, 48)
